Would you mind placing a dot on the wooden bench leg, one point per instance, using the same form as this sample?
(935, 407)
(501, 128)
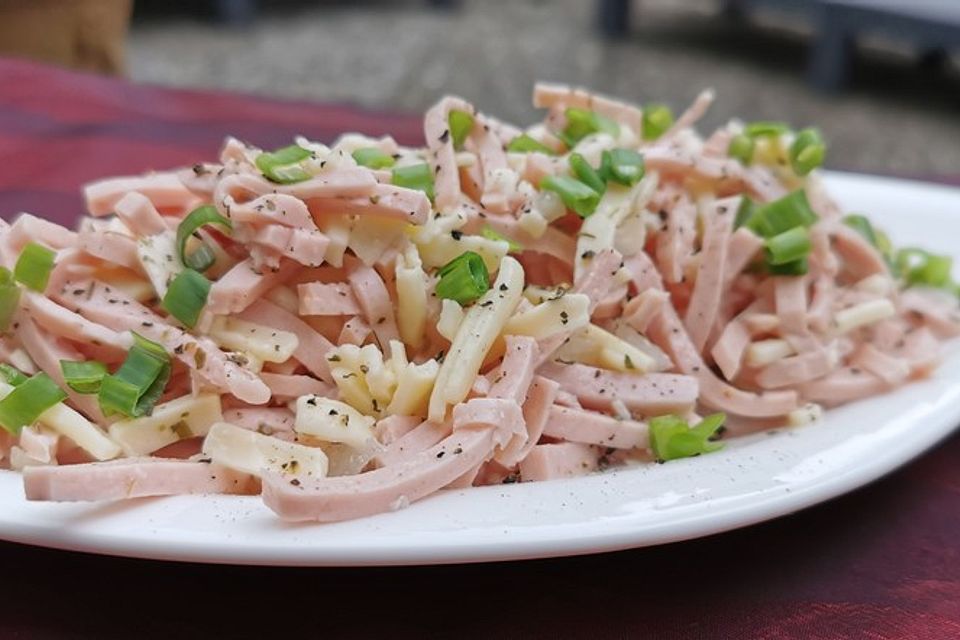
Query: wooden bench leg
(732, 9)
(236, 12)
(830, 59)
(614, 17)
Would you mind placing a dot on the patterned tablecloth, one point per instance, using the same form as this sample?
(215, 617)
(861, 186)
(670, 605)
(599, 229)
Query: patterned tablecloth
(883, 562)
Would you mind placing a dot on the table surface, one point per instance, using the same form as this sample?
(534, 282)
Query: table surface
(883, 562)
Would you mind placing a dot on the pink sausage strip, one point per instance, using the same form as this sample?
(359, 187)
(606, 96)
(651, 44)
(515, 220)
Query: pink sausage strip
(334, 299)
(385, 489)
(238, 288)
(668, 333)
(109, 307)
(560, 460)
(589, 427)
(139, 214)
(294, 386)
(385, 200)
(164, 190)
(133, 478)
(536, 412)
(47, 351)
(650, 394)
(312, 348)
(110, 247)
(705, 301)
(375, 302)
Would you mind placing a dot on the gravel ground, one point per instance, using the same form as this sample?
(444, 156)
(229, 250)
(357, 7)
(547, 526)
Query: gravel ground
(894, 117)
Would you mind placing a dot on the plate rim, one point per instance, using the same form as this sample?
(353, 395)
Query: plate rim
(771, 503)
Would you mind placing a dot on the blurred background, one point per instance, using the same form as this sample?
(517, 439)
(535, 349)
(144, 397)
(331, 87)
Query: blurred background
(880, 77)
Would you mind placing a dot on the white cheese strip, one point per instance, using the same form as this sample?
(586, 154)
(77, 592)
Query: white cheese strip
(160, 259)
(567, 313)
(70, 423)
(411, 286)
(184, 417)
(451, 315)
(254, 453)
(597, 347)
(481, 326)
(764, 352)
(265, 343)
(863, 314)
(333, 421)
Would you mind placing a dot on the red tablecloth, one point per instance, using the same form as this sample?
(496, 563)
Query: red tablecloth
(883, 562)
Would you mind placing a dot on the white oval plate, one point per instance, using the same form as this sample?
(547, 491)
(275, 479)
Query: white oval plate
(753, 479)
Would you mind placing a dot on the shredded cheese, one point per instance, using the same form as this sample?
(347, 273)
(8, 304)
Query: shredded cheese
(254, 453)
(481, 326)
(184, 417)
(333, 421)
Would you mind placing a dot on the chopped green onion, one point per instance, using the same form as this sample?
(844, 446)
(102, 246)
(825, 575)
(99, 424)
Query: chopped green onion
(744, 212)
(622, 165)
(34, 266)
(490, 234)
(582, 123)
(773, 218)
(523, 143)
(797, 267)
(12, 375)
(463, 279)
(587, 174)
(763, 129)
(741, 148)
(807, 151)
(921, 267)
(577, 196)
(283, 165)
(139, 382)
(671, 437)
(936, 272)
(153, 348)
(83, 377)
(186, 296)
(373, 158)
(203, 258)
(460, 123)
(28, 401)
(9, 298)
(885, 247)
(657, 118)
(861, 225)
(416, 176)
(876, 237)
(788, 246)
(884, 244)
